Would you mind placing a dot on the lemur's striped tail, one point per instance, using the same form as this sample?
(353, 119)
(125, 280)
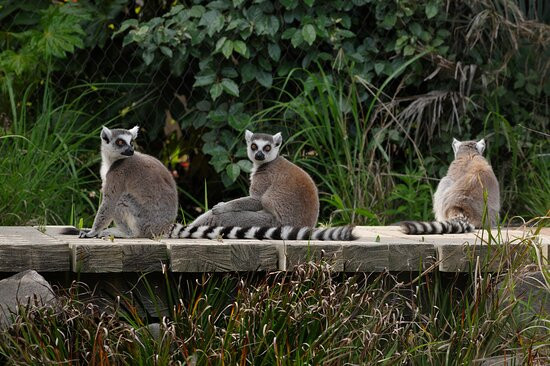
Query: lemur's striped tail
(257, 232)
(455, 225)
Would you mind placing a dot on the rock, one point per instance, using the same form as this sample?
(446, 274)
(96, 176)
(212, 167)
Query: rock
(154, 329)
(20, 289)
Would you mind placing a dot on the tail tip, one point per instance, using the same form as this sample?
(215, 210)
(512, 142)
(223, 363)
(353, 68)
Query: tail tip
(69, 230)
(407, 227)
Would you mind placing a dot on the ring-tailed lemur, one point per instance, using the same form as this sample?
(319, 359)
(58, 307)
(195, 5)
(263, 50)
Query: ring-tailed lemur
(459, 202)
(281, 195)
(139, 193)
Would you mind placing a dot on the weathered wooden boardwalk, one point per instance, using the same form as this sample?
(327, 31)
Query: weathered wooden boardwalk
(379, 248)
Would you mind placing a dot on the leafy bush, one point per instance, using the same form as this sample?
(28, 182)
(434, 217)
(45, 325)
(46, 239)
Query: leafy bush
(211, 68)
(239, 56)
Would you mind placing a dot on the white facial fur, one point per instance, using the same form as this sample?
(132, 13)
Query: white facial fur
(261, 144)
(110, 151)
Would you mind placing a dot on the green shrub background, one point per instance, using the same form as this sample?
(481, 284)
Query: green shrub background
(368, 94)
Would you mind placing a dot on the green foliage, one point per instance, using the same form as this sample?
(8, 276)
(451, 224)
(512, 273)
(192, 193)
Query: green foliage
(411, 197)
(236, 52)
(54, 32)
(45, 160)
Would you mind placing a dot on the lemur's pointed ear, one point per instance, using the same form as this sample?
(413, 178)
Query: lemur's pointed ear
(248, 135)
(480, 146)
(134, 132)
(106, 134)
(456, 145)
(278, 139)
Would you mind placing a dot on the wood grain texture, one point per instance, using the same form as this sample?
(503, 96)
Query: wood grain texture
(23, 248)
(378, 248)
(365, 257)
(229, 256)
(297, 252)
(411, 257)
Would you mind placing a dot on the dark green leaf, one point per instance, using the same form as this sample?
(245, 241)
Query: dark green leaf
(233, 171)
(227, 48)
(297, 39)
(265, 78)
(166, 51)
(216, 91)
(204, 80)
(230, 87)
(248, 72)
(148, 57)
(431, 9)
(246, 165)
(389, 20)
(308, 33)
(240, 47)
(274, 51)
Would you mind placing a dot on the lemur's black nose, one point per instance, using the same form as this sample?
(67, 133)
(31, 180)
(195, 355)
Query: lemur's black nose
(128, 152)
(260, 156)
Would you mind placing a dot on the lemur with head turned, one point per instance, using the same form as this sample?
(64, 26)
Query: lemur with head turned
(459, 201)
(281, 195)
(139, 193)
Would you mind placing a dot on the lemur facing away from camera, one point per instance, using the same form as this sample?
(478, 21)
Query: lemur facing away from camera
(283, 202)
(139, 193)
(459, 202)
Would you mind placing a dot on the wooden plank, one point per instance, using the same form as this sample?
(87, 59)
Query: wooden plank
(411, 257)
(379, 248)
(297, 252)
(365, 257)
(200, 255)
(93, 255)
(96, 257)
(491, 253)
(23, 248)
(144, 257)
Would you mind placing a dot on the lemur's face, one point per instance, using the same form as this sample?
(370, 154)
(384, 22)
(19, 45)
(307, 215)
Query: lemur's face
(118, 143)
(262, 148)
(468, 147)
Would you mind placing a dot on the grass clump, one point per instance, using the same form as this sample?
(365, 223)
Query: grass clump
(311, 315)
(46, 152)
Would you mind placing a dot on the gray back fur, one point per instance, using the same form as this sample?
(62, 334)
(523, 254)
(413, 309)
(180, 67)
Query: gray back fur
(461, 191)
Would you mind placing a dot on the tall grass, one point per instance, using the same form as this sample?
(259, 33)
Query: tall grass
(338, 139)
(46, 154)
(310, 315)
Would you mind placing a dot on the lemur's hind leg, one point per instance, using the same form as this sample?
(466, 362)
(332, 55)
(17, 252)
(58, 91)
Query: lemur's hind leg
(126, 219)
(114, 232)
(239, 218)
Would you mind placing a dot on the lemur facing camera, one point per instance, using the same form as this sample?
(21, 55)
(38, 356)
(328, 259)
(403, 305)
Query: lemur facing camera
(459, 202)
(283, 202)
(139, 193)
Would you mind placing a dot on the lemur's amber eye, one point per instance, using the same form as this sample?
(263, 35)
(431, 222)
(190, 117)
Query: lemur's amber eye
(254, 147)
(120, 142)
(267, 148)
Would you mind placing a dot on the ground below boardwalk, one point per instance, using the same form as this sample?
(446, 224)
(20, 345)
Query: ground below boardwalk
(378, 248)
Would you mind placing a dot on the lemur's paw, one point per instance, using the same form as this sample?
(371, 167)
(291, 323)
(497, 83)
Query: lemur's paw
(87, 234)
(220, 208)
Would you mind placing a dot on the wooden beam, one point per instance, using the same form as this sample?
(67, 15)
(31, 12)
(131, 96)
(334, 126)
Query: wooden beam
(23, 248)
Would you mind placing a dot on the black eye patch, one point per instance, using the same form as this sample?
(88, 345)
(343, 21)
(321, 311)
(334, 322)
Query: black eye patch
(267, 148)
(254, 147)
(120, 142)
